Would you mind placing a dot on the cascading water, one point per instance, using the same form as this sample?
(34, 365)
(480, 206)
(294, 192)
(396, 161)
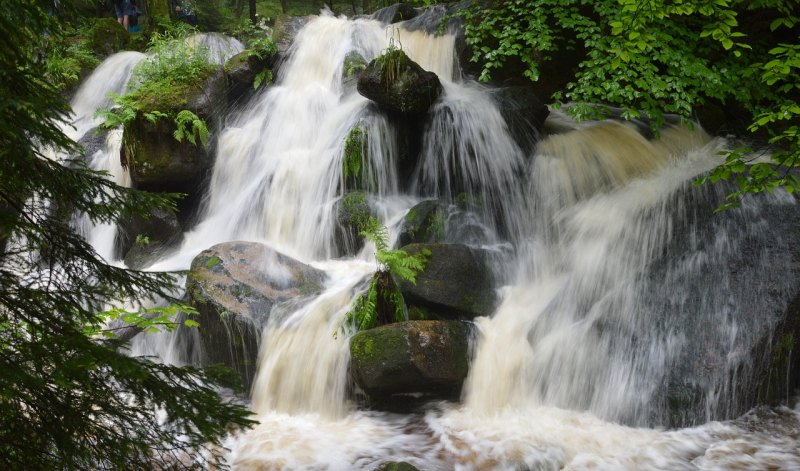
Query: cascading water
(619, 282)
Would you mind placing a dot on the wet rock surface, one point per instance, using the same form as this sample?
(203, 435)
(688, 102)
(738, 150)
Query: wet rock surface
(430, 358)
(457, 281)
(234, 287)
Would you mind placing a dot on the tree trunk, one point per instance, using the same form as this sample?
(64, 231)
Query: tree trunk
(366, 6)
(252, 5)
(285, 6)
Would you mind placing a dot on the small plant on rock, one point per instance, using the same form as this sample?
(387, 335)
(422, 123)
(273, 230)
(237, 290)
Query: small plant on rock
(391, 62)
(383, 302)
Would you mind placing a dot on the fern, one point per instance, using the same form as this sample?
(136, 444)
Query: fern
(364, 313)
(189, 127)
(262, 78)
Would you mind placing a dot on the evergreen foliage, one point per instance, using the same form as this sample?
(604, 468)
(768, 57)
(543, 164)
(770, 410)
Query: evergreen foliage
(68, 400)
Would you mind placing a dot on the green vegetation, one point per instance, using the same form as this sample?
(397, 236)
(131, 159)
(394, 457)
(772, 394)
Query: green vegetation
(657, 57)
(162, 83)
(383, 296)
(391, 62)
(353, 157)
(260, 45)
(69, 400)
(68, 58)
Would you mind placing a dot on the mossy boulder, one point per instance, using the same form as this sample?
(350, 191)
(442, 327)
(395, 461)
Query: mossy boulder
(354, 64)
(425, 222)
(433, 221)
(413, 357)
(241, 71)
(234, 287)
(155, 159)
(351, 211)
(107, 36)
(457, 281)
(399, 85)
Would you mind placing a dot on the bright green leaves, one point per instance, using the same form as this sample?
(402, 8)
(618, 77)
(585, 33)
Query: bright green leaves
(159, 319)
(383, 293)
(172, 64)
(190, 127)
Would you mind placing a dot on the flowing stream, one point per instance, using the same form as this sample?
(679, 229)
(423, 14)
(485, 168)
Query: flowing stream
(617, 279)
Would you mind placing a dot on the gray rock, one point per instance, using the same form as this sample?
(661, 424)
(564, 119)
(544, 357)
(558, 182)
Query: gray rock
(396, 13)
(234, 287)
(457, 281)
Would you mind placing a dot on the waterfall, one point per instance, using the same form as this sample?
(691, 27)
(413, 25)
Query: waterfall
(620, 280)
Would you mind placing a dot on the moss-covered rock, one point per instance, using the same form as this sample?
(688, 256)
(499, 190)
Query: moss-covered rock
(234, 287)
(457, 282)
(426, 357)
(241, 71)
(424, 223)
(398, 84)
(107, 36)
(351, 211)
(354, 65)
(155, 159)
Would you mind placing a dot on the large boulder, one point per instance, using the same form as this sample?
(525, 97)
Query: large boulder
(234, 287)
(457, 281)
(414, 357)
(433, 221)
(155, 159)
(398, 84)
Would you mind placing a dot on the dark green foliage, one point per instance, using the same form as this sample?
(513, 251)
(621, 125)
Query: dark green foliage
(353, 157)
(173, 70)
(68, 401)
(658, 57)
